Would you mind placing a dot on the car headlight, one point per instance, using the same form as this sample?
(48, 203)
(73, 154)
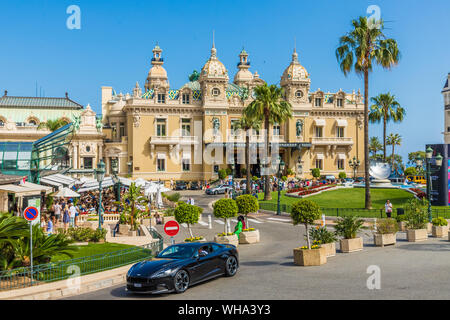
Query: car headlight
(163, 273)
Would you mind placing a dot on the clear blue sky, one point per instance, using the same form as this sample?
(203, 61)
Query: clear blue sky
(114, 47)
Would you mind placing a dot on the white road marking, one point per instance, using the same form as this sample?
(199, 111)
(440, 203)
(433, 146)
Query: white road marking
(219, 221)
(277, 219)
(254, 221)
(202, 223)
(184, 225)
(233, 220)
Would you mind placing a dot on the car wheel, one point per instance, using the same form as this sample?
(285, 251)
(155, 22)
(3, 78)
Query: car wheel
(215, 193)
(231, 266)
(181, 281)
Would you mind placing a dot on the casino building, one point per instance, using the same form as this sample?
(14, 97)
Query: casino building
(159, 132)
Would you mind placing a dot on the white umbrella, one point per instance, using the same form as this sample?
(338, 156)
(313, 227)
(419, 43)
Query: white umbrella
(66, 193)
(159, 202)
(140, 182)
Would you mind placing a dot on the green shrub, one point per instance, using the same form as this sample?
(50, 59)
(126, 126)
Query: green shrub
(401, 218)
(315, 172)
(98, 234)
(305, 212)
(175, 197)
(342, 175)
(416, 214)
(228, 171)
(187, 213)
(290, 172)
(322, 235)
(170, 212)
(222, 174)
(349, 226)
(284, 178)
(387, 226)
(80, 234)
(439, 222)
(225, 208)
(255, 178)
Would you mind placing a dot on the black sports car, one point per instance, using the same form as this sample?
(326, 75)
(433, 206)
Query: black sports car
(177, 267)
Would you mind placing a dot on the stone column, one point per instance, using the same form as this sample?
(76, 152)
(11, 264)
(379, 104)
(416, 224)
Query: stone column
(75, 156)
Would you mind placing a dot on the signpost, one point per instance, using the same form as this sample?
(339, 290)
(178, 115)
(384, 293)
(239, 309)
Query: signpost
(30, 214)
(171, 228)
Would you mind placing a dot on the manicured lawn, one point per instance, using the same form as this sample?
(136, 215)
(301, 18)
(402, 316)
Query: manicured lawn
(93, 249)
(349, 198)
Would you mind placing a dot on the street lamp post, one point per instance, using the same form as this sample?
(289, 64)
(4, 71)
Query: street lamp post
(232, 180)
(429, 171)
(99, 175)
(354, 164)
(280, 170)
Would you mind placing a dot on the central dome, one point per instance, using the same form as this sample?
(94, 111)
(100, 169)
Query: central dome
(295, 71)
(213, 67)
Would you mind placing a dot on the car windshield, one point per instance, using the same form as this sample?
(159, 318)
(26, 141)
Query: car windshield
(177, 252)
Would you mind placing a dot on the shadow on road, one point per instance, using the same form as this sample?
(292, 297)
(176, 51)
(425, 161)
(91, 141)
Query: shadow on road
(438, 247)
(257, 263)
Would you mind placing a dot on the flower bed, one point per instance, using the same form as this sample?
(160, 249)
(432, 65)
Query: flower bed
(295, 190)
(419, 193)
(315, 190)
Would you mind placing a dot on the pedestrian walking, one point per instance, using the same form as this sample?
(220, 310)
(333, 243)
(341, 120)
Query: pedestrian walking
(72, 214)
(49, 226)
(388, 208)
(66, 217)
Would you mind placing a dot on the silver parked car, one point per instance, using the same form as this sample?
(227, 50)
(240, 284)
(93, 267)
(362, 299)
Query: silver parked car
(218, 189)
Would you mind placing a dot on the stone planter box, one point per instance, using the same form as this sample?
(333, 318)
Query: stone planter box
(351, 245)
(330, 249)
(248, 237)
(132, 233)
(233, 239)
(402, 226)
(439, 231)
(429, 227)
(382, 240)
(417, 235)
(202, 240)
(313, 257)
(124, 229)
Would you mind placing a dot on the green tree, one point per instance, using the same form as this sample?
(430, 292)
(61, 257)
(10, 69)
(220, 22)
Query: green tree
(386, 108)
(315, 172)
(247, 204)
(222, 174)
(132, 202)
(412, 160)
(225, 209)
(52, 125)
(411, 171)
(305, 212)
(342, 175)
(187, 213)
(393, 140)
(269, 105)
(358, 50)
(374, 147)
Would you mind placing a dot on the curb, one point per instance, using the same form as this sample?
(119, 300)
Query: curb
(69, 287)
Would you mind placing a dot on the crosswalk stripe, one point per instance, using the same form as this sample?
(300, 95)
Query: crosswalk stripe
(203, 223)
(254, 221)
(219, 221)
(277, 219)
(233, 220)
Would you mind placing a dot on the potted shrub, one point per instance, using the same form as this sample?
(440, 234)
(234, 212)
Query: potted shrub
(401, 222)
(440, 227)
(386, 233)
(187, 213)
(248, 204)
(348, 228)
(195, 239)
(225, 209)
(416, 220)
(305, 212)
(168, 215)
(326, 238)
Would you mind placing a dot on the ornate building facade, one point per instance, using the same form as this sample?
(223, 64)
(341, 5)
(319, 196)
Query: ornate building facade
(446, 96)
(190, 133)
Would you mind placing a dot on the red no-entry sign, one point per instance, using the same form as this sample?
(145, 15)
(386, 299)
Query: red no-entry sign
(171, 228)
(30, 213)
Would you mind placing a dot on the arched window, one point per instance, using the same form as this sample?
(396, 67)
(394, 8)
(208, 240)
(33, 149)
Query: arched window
(299, 94)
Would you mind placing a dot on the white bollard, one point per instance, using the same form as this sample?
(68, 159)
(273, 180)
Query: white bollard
(209, 222)
(228, 226)
(323, 220)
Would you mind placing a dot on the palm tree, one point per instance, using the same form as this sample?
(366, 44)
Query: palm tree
(269, 104)
(246, 124)
(12, 228)
(132, 200)
(358, 49)
(52, 125)
(385, 108)
(374, 147)
(393, 140)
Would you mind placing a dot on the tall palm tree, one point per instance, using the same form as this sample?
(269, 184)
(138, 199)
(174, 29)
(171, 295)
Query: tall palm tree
(375, 146)
(393, 140)
(358, 50)
(246, 124)
(132, 201)
(385, 108)
(270, 105)
(52, 125)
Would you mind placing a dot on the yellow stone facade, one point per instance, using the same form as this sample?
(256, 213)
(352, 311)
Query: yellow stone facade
(163, 133)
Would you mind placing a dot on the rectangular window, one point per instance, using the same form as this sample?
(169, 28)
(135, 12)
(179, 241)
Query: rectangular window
(161, 164)
(234, 127)
(122, 130)
(161, 127)
(114, 130)
(87, 162)
(161, 98)
(318, 102)
(340, 132)
(186, 127)
(341, 164)
(319, 164)
(318, 132)
(276, 129)
(185, 98)
(339, 102)
(186, 164)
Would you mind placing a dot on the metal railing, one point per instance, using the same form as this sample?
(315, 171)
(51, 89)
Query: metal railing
(44, 273)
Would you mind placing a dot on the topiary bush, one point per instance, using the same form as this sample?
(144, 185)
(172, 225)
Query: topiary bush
(175, 197)
(439, 222)
(315, 172)
(187, 213)
(342, 175)
(305, 212)
(247, 204)
(225, 209)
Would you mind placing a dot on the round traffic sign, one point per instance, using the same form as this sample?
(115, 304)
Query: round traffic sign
(171, 228)
(30, 213)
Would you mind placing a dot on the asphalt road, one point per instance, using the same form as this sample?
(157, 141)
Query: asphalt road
(407, 270)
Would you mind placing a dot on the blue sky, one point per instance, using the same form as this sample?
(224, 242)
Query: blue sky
(113, 47)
